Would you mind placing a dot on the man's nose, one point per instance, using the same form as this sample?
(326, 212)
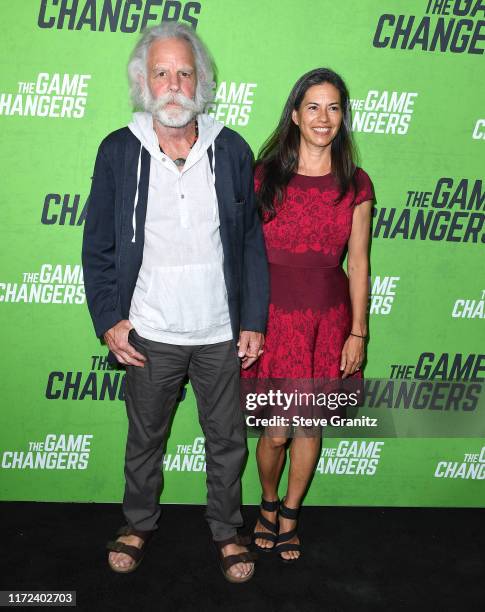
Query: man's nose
(174, 82)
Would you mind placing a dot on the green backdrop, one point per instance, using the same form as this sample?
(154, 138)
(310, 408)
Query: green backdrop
(415, 72)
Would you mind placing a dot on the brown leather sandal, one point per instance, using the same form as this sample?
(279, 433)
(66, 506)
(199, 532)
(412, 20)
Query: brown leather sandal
(227, 562)
(134, 552)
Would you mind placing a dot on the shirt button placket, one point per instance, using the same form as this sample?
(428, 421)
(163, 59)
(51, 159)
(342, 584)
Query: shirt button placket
(184, 221)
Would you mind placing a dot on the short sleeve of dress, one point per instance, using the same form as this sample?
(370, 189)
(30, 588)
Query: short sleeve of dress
(364, 189)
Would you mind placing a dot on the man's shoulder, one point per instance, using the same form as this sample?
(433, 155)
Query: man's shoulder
(116, 139)
(234, 141)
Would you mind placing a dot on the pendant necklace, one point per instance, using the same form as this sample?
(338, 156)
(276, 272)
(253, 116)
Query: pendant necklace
(180, 161)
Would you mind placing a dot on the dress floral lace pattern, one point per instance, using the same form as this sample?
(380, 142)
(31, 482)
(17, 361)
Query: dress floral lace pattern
(310, 311)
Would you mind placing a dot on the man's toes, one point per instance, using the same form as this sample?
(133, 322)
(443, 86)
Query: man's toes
(115, 559)
(120, 560)
(242, 569)
(236, 571)
(245, 568)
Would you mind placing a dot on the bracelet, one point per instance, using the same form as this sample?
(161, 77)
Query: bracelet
(357, 336)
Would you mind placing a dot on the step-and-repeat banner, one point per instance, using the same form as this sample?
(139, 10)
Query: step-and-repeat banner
(415, 73)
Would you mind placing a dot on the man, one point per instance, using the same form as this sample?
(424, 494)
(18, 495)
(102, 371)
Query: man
(175, 275)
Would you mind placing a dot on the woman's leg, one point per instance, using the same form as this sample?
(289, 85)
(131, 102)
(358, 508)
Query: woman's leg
(304, 453)
(270, 455)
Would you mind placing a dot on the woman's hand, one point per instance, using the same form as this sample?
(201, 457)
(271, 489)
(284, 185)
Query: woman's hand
(352, 355)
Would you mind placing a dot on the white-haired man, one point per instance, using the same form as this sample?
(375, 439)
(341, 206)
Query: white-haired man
(176, 275)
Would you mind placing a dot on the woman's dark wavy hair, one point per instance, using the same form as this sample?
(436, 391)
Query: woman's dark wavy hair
(278, 156)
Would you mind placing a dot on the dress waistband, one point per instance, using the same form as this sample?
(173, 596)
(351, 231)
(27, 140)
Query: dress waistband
(279, 257)
(301, 267)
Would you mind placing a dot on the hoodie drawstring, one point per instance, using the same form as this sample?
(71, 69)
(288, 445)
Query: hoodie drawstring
(138, 174)
(214, 210)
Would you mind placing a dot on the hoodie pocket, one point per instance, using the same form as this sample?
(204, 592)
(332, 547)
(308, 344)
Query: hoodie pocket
(187, 298)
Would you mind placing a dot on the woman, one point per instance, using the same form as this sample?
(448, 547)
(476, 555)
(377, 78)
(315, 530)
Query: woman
(314, 202)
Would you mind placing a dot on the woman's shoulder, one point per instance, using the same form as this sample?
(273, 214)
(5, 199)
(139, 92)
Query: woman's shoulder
(364, 189)
(361, 176)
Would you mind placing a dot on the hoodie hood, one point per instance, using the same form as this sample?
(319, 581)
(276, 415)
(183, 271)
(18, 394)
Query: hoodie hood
(142, 127)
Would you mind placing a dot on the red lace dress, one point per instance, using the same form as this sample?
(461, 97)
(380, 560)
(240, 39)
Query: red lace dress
(310, 314)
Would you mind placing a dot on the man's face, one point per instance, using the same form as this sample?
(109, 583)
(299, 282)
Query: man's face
(171, 82)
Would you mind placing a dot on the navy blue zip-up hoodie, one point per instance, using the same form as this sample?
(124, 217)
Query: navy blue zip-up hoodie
(111, 260)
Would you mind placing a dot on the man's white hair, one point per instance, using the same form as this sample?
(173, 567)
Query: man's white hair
(137, 66)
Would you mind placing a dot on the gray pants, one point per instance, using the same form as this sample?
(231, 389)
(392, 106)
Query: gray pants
(151, 394)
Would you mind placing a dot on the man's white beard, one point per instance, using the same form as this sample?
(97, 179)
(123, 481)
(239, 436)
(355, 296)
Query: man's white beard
(172, 116)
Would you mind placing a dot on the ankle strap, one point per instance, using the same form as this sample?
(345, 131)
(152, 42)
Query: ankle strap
(289, 513)
(269, 506)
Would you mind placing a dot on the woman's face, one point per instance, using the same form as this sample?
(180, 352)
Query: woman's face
(320, 115)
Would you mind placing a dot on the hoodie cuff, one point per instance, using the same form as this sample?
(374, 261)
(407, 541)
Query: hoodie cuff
(254, 325)
(105, 321)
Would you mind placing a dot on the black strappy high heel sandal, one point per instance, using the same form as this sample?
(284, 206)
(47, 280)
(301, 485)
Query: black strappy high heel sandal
(272, 534)
(282, 541)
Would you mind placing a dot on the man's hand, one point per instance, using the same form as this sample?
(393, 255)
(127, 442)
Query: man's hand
(117, 340)
(250, 347)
